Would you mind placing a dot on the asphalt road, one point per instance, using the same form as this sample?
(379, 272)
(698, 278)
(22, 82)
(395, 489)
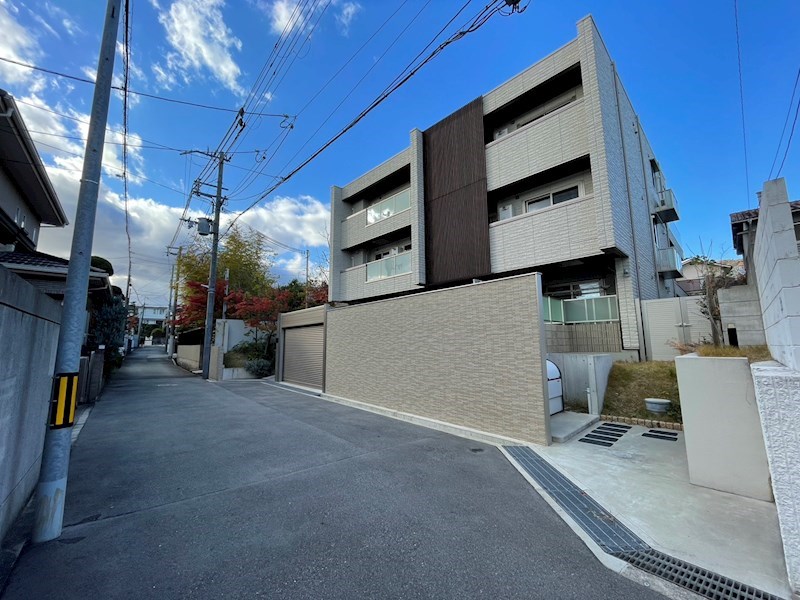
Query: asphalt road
(181, 488)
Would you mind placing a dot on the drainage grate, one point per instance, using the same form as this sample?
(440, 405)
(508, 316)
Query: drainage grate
(659, 436)
(694, 578)
(612, 535)
(616, 539)
(605, 434)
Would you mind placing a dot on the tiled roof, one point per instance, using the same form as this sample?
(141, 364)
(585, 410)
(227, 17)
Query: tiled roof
(38, 259)
(748, 215)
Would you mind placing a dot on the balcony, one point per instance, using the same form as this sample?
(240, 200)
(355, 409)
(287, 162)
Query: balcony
(376, 221)
(667, 209)
(554, 139)
(399, 264)
(668, 262)
(558, 233)
(354, 285)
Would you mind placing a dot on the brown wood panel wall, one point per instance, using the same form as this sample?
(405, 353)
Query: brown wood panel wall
(456, 210)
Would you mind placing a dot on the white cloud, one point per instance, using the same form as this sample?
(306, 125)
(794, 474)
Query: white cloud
(284, 15)
(17, 43)
(347, 12)
(297, 222)
(200, 39)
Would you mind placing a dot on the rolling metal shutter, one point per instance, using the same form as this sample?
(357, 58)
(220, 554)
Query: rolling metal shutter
(303, 349)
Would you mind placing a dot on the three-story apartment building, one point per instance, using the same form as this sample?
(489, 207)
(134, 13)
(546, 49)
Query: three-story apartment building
(549, 172)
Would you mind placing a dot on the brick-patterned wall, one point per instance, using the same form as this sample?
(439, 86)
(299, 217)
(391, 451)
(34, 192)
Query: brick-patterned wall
(558, 233)
(449, 355)
(551, 65)
(552, 140)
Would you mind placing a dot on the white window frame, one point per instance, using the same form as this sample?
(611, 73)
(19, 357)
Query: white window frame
(549, 196)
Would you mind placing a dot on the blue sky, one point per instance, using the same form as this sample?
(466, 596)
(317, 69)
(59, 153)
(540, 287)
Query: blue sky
(677, 60)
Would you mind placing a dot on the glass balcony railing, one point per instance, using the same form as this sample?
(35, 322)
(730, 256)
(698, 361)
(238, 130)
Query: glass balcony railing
(389, 207)
(580, 310)
(390, 266)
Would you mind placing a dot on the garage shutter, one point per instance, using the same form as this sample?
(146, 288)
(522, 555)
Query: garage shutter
(302, 356)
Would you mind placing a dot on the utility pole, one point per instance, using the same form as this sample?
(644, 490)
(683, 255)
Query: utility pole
(306, 277)
(139, 328)
(227, 291)
(171, 339)
(52, 486)
(169, 303)
(212, 276)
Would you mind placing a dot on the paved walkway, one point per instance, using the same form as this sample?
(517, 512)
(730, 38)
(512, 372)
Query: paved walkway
(180, 488)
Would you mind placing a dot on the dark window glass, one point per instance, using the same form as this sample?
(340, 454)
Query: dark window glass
(565, 195)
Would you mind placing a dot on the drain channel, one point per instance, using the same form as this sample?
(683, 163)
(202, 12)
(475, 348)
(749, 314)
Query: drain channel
(616, 539)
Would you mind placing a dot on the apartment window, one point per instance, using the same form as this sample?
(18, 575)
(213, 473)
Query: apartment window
(552, 199)
(580, 289)
(389, 207)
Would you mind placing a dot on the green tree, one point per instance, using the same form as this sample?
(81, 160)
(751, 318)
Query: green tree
(108, 323)
(242, 251)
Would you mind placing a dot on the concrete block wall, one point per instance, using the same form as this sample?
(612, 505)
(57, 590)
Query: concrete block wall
(441, 355)
(777, 266)
(740, 308)
(31, 320)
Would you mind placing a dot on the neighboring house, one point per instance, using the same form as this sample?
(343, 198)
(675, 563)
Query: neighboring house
(49, 274)
(740, 306)
(695, 270)
(29, 319)
(550, 172)
(27, 198)
(153, 315)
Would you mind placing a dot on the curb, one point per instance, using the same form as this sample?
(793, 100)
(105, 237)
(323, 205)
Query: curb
(643, 422)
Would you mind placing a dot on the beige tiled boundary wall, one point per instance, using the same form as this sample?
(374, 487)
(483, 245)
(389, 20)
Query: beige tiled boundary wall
(471, 356)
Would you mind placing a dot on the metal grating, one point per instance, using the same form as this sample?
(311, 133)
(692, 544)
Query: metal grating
(616, 539)
(697, 579)
(612, 535)
(605, 434)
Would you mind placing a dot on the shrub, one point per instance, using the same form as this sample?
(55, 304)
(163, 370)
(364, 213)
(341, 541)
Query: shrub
(259, 367)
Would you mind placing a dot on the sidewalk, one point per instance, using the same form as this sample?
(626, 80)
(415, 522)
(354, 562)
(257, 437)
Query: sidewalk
(180, 488)
(644, 483)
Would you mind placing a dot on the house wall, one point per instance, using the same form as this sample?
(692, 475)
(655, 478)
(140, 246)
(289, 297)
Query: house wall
(777, 266)
(31, 320)
(583, 337)
(448, 355)
(11, 201)
(740, 307)
(622, 182)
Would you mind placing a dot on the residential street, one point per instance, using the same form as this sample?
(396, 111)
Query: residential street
(180, 488)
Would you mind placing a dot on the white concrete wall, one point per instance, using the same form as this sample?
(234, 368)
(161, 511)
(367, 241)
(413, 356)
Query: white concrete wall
(584, 378)
(189, 357)
(721, 426)
(777, 266)
(777, 390)
(29, 320)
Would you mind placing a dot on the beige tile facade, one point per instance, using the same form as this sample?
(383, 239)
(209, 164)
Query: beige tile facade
(448, 355)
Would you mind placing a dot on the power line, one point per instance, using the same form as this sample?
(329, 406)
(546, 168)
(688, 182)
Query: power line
(80, 139)
(741, 99)
(135, 93)
(783, 131)
(478, 21)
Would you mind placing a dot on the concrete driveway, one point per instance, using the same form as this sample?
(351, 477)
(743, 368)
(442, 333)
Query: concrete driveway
(180, 488)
